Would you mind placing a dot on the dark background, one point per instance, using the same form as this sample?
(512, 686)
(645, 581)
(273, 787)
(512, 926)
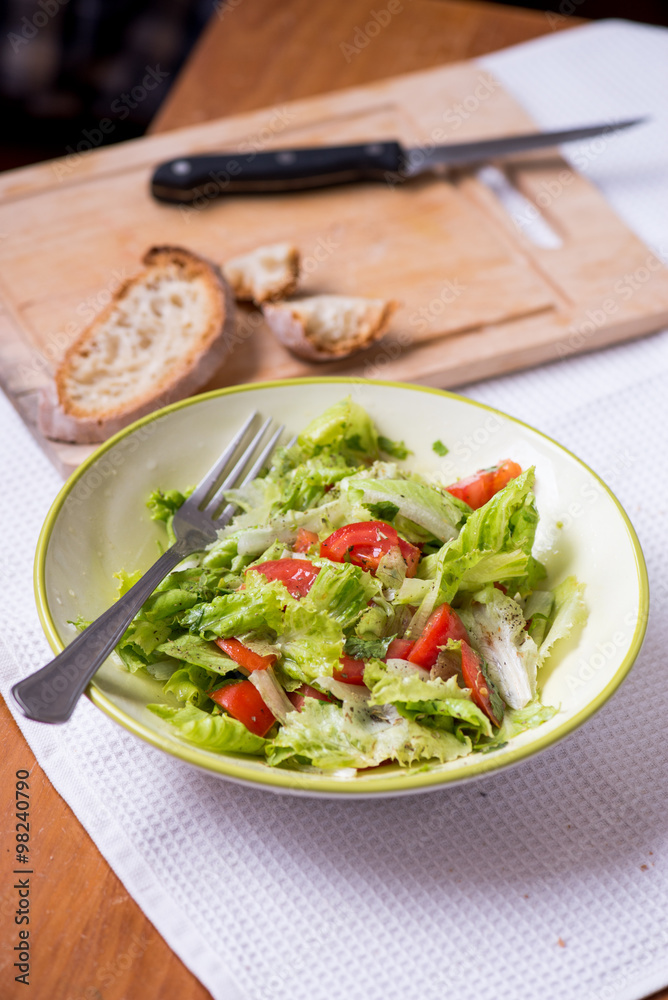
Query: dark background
(69, 66)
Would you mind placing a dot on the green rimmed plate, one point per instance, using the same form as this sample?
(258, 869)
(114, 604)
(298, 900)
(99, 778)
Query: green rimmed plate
(99, 524)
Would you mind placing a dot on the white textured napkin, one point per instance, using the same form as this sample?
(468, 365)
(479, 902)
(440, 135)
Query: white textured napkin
(549, 880)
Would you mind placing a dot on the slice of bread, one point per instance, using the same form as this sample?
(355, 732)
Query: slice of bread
(163, 335)
(265, 274)
(328, 327)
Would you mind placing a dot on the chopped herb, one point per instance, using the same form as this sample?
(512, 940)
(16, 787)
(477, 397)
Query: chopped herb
(354, 442)
(440, 448)
(367, 649)
(397, 449)
(384, 510)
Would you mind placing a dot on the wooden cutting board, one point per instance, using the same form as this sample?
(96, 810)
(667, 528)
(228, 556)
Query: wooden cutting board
(477, 296)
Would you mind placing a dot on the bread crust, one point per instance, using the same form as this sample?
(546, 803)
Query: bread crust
(286, 323)
(61, 419)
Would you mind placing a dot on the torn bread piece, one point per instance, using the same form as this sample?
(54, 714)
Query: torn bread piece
(162, 336)
(328, 327)
(265, 274)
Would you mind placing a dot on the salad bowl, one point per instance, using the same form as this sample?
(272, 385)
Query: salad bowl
(99, 527)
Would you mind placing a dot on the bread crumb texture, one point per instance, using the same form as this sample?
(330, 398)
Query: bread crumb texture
(324, 327)
(160, 321)
(264, 274)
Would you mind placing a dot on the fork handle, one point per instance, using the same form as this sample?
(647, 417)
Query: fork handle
(50, 694)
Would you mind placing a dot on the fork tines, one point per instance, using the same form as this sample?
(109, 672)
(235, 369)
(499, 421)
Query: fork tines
(247, 462)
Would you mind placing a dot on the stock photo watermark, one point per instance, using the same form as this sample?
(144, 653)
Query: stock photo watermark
(581, 332)
(31, 26)
(121, 107)
(86, 311)
(365, 33)
(219, 180)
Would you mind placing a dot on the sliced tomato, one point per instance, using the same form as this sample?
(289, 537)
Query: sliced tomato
(475, 680)
(244, 656)
(365, 543)
(476, 490)
(297, 574)
(303, 692)
(305, 540)
(411, 554)
(244, 702)
(399, 649)
(350, 672)
(443, 624)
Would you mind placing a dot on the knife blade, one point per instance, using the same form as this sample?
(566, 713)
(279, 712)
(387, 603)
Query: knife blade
(204, 176)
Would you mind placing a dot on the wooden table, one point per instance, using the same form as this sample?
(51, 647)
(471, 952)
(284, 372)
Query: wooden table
(92, 940)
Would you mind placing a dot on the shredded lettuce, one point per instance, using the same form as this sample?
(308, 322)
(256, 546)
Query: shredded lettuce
(193, 649)
(190, 685)
(343, 591)
(435, 703)
(569, 612)
(516, 721)
(437, 511)
(328, 736)
(342, 471)
(345, 427)
(497, 627)
(220, 733)
(505, 524)
(311, 642)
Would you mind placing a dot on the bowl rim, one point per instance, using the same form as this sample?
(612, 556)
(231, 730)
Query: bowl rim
(276, 779)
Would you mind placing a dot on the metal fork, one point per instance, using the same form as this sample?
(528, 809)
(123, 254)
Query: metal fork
(50, 694)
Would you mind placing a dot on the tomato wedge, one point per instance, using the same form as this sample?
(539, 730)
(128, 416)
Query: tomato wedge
(244, 702)
(303, 692)
(365, 543)
(305, 540)
(476, 490)
(350, 672)
(297, 574)
(244, 656)
(475, 680)
(399, 649)
(443, 624)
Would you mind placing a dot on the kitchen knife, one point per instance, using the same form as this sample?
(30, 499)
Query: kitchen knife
(204, 176)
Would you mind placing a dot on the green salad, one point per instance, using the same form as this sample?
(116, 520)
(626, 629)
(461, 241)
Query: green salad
(353, 613)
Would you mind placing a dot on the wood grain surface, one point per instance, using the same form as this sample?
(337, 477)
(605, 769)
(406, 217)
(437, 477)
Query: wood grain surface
(92, 941)
(476, 296)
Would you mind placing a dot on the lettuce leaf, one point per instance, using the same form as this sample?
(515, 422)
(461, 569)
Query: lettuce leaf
(496, 625)
(220, 733)
(257, 608)
(189, 685)
(516, 721)
(310, 640)
(199, 652)
(343, 591)
(538, 609)
(569, 612)
(145, 636)
(417, 697)
(505, 524)
(437, 511)
(127, 580)
(329, 736)
(306, 486)
(168, 603)
(163, 504)
(345, 427)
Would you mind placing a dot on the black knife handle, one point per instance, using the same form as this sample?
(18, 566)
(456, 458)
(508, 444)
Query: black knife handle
(194, 178)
